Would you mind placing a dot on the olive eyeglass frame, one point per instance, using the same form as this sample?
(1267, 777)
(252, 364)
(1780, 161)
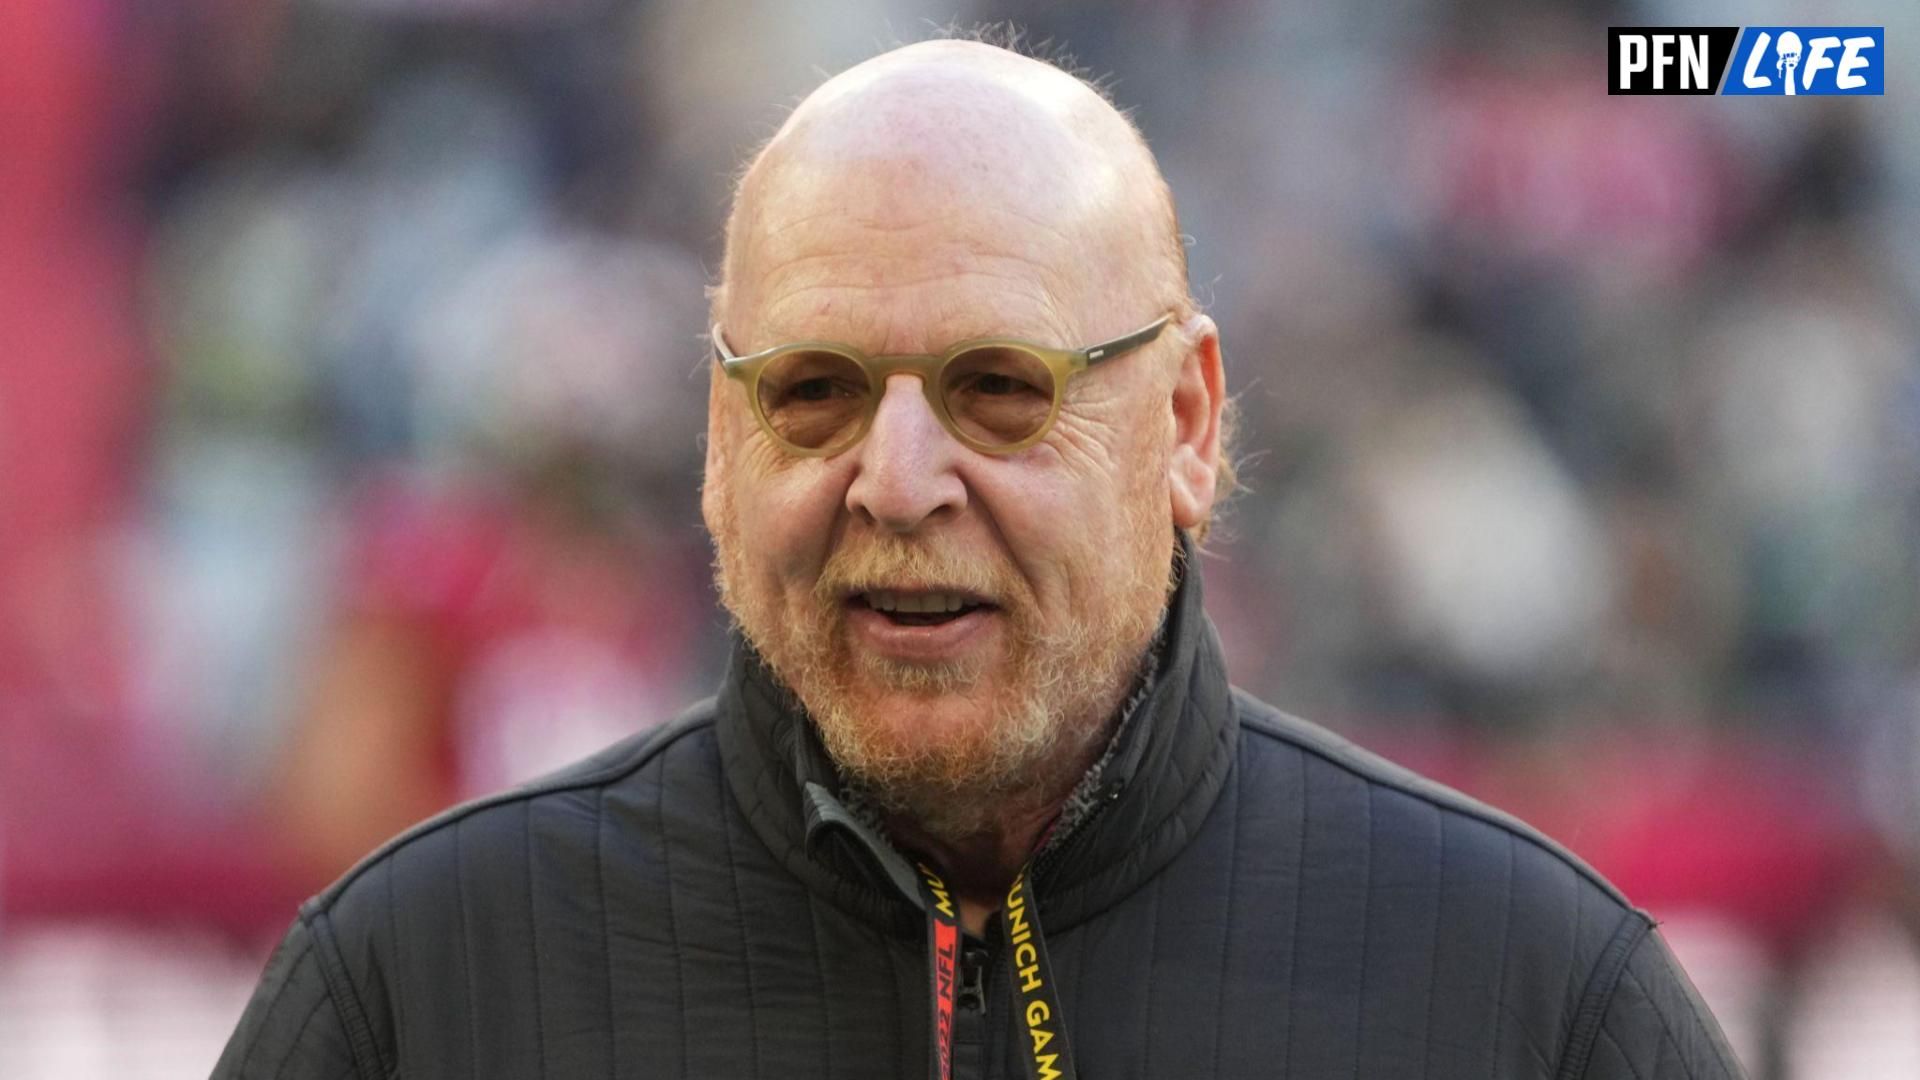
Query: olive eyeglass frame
(1061, 364)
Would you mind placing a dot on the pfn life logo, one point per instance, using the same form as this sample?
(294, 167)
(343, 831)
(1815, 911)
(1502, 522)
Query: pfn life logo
(1795, 60)
(1785, 60)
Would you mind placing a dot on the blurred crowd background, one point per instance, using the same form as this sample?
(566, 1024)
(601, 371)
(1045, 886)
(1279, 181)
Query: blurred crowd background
(352, 387)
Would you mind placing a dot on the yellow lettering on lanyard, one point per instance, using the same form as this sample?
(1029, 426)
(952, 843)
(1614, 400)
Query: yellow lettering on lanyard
(1017, 929)
(941, 898)
(1026, 960)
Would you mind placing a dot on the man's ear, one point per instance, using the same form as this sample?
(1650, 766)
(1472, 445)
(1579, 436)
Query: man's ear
(1199, 395)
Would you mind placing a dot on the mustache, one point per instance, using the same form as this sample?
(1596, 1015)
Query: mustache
(893, 563)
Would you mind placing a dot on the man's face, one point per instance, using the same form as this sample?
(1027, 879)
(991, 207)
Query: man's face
(1065, 547)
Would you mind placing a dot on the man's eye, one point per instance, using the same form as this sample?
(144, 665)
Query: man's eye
(995, 384)
(811, 390)
(816, 390)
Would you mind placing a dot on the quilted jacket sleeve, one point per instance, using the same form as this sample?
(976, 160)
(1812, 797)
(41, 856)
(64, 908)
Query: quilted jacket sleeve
(1655, 1027)
(292, 1029)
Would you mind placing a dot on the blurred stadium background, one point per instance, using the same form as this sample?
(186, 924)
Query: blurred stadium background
(351, 390)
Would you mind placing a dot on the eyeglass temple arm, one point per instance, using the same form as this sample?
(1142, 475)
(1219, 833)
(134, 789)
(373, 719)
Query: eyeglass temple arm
(1119, 346)
(729, 363)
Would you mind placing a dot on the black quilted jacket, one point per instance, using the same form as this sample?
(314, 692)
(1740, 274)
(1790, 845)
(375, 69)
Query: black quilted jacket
(1253, 898)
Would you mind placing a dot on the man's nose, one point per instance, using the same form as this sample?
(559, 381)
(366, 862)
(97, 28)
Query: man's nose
(907, 463)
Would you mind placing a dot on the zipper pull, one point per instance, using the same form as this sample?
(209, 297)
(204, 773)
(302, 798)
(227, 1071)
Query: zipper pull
(973, 980)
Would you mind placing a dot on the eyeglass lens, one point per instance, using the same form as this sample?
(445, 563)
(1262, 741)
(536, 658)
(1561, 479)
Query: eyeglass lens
(996, 396)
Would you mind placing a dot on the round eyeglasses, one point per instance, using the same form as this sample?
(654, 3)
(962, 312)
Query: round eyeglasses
(996, 395)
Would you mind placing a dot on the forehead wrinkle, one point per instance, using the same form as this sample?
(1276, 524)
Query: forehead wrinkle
(911, 176)
(1039, 281)
(837, 249)
(927, 325)
(1026, 225)
(970, 223)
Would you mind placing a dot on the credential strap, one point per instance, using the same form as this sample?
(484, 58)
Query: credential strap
(1040, 1022)
(943, 952)
(1040, 1030)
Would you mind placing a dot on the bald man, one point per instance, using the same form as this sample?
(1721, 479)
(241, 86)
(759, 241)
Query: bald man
(975, 797)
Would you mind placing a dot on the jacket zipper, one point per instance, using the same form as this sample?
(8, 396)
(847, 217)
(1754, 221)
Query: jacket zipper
(973, 978)
(972, 1015)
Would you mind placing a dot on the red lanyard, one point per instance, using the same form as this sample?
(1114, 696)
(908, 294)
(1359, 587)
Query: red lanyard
(1039, 1022)
(943, 954)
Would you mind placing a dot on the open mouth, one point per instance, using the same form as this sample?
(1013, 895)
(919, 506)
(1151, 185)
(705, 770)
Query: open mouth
(920, 608)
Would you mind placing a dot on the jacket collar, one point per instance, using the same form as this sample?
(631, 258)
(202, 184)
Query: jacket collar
(1162, 774)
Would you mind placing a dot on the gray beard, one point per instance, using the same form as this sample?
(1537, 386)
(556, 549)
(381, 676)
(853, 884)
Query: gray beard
(1029, 760)
(1046, 727)
(968, 814)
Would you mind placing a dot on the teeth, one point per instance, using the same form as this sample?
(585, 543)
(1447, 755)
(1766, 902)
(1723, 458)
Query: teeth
(919, 603)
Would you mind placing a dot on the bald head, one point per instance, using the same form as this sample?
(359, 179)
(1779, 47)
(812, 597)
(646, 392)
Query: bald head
(953, 157)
